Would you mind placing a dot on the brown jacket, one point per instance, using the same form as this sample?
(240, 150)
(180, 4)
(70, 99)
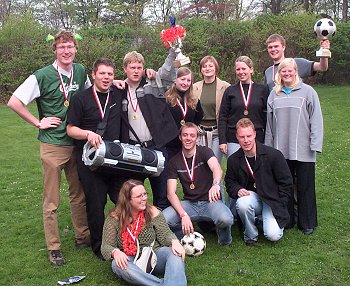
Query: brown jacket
(220, 89)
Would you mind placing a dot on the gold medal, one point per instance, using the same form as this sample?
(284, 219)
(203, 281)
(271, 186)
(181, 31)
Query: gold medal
(254, 185)
(245, 112)
(66, 103)
(134, 117)
(182, 122)
(192, 186)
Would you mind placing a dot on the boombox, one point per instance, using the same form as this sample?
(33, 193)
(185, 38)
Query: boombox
(113, 156)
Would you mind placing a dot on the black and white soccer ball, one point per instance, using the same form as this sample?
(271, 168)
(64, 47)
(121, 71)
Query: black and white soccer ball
(194, 244)
(325, 28)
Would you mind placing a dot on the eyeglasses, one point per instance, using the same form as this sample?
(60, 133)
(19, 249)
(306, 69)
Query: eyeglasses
(141, 196)
(62, 48)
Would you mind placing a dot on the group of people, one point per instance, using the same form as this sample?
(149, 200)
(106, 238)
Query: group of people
(270, 133)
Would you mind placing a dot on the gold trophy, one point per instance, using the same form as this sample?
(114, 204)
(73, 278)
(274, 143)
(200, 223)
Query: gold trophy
(324, 29)
(173, 37)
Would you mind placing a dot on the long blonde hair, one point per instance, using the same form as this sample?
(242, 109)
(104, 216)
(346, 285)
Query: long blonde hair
(122, 211)
(278, 80)
(172, 94)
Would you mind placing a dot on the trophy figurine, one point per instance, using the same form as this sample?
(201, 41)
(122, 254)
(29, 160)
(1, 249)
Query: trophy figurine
(173, 37)
(324, 29)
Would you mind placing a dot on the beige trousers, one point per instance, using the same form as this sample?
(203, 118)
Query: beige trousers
(56, 158)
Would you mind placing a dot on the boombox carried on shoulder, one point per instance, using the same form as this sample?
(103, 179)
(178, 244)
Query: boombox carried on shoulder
(113, 155)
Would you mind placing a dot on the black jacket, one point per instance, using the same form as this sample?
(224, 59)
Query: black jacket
(274, 183)
(232, 108)
(156, 113)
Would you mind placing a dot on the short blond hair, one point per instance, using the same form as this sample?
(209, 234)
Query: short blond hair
(133, 57)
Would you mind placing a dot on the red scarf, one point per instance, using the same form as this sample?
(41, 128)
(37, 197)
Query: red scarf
(130, 234)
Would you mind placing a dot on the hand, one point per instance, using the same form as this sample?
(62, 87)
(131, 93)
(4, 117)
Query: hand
(223, 148)
(120, 84)
(187, 226)
(121, 259)
(325, 44)
(94, 139)
(178, 249)
(214, 193)
(50, 122)
(151, 74)
(243, 192)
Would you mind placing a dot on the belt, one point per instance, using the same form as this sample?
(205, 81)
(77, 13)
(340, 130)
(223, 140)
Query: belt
(145, 144)
(208, 128)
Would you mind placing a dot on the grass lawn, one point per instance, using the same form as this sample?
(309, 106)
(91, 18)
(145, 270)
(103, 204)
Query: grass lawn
(320, 259)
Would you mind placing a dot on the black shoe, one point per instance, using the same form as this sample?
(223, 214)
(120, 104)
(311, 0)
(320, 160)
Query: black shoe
(308, 231)
(82, 244)
(250, 242)
(56, 257)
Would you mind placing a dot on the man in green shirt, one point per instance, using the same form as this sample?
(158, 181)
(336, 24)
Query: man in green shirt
(53, 87)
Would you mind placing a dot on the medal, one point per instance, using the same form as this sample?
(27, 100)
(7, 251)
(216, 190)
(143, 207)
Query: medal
(183, 110)
(102, 111)
(251, 172)
(134, 105)
(190, 173)
(246, 98)
(65, 90)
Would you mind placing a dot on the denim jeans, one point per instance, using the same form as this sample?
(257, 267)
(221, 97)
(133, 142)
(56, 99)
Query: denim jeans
(250, 207)
(168, 264)
(216, 212)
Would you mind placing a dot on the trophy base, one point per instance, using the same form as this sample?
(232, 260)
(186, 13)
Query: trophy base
(181, 62)
(323, 53)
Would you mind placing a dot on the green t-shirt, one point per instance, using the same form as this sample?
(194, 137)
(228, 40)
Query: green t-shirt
(51, 100)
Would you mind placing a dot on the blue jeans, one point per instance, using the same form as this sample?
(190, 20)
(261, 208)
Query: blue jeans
(216, 212)
(168, 264)
(250, 207)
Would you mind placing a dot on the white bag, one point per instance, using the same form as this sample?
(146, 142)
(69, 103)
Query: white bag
(147, 259)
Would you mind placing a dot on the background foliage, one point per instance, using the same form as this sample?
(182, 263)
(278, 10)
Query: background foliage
(23, 48)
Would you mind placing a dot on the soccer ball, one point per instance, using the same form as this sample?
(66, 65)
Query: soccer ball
(194, 244)
(324, 28)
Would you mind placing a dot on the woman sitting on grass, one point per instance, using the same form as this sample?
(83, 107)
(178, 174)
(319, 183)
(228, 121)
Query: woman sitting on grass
(134, 219)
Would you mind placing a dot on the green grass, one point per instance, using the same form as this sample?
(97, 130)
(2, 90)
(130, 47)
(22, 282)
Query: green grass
(320, 259)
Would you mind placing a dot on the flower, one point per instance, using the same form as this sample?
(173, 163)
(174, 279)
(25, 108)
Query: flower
(171, 35)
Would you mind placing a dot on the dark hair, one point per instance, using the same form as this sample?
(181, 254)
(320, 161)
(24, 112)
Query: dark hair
(102, 61)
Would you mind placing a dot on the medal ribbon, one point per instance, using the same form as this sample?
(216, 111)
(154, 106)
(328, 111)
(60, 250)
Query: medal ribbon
(190, 173)
(133, 235)
(183, 110)
(249, 167)
(65, 90)
(102, 111)
(273, 73)
(134, 108)
(245, 98)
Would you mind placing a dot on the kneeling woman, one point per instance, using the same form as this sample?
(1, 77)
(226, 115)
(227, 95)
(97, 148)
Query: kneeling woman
(134, 219)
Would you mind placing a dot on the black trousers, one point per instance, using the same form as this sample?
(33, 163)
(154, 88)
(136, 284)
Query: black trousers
(97, 185)
(304, 183)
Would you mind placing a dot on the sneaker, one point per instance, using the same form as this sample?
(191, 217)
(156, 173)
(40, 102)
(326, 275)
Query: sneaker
(56, 257)
(250, 242)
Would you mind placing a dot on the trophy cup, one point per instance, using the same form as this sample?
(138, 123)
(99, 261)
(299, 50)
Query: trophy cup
(324, 29)
(173, 37)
